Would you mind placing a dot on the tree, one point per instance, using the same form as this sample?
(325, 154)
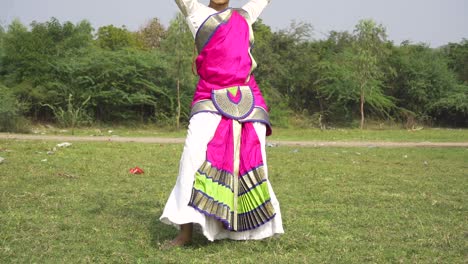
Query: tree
(114, 38)
(16, 47)
(452, 108)
(28, 53)
(11, 118)
(369, 47)
(426, 86)
(29, 57)
(291, 45)
(152, 34)
(285, 72)
(75, 37)
(457, 53)
(268, 72)
(128, 84)
(148, 74)
(2, 35)
(179, 49)
(355, 73)
(264, 54)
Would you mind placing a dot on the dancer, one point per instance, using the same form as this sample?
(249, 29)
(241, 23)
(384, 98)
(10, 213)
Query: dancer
(223, 185)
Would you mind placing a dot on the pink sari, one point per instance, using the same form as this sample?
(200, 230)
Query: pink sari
(230, 185)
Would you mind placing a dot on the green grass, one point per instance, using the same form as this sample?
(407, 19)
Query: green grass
(399, 135)
(114, 130)
(339, 205)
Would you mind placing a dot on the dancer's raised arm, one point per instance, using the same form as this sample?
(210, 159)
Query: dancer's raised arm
(254, 8)
(188, 7)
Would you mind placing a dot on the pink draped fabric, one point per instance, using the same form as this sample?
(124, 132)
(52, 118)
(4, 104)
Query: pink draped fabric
(220, 149)
(225, 61)
(250, 151)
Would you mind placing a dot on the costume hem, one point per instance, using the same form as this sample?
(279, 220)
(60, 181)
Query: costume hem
(168, 221)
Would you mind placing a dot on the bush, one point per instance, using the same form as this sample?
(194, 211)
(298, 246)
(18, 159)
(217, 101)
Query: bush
(11, 118)
(279, 111)
(73, 115)
(452, 109)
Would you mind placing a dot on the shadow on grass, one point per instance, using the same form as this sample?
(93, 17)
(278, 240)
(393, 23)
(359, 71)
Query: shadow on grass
(159, 231)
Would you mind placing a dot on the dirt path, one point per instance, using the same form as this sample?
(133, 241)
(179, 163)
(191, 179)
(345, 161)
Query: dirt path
(160, 140)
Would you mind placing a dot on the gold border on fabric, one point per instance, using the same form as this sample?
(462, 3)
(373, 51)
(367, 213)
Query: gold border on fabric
(203, 106)
(230, 109)
(221, 177)
(251, 179)
(246, 15)
(229, 216)
(237, 129)
(257, 114)
(256, 217)
(209, 26)
(203, 202)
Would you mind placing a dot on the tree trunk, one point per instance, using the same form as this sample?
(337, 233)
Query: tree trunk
(362, 109)
(142, 114)
(178, 105)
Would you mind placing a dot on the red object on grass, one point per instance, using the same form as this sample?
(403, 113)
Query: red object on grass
(136, 170)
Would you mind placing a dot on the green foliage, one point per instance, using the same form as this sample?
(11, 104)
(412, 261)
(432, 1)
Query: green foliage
(370, 50)
(11, 118)
(457, 53)
(297, 57)
(452, 108)
(114, 38)
(424, 83)
(73, 115)
(285, 72)
(263, 52)
(179, 51)
(152, 34)
(2, 36)
(354, 75)
(279, 111)
(267, 72)
(16, 46)
(123, 85)
(28, 54)
(147, 76)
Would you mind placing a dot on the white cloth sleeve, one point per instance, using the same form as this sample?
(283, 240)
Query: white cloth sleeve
(196, 13)
(254, 8)
(188, 7)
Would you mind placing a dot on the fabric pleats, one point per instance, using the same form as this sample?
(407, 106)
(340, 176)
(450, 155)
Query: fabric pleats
(231, 185)
(207, 193)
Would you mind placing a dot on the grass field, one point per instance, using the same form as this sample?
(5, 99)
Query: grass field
(339, 205)
(422, 135)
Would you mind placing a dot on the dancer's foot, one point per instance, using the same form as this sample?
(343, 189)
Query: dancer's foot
(184, 237)
(179, 241)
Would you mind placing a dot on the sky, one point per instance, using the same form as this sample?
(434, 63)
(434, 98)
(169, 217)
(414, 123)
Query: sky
(433, 22)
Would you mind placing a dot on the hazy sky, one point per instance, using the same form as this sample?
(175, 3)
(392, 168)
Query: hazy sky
(435, 22)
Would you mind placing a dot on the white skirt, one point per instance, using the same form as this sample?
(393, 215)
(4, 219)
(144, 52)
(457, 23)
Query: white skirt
(177, 211)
